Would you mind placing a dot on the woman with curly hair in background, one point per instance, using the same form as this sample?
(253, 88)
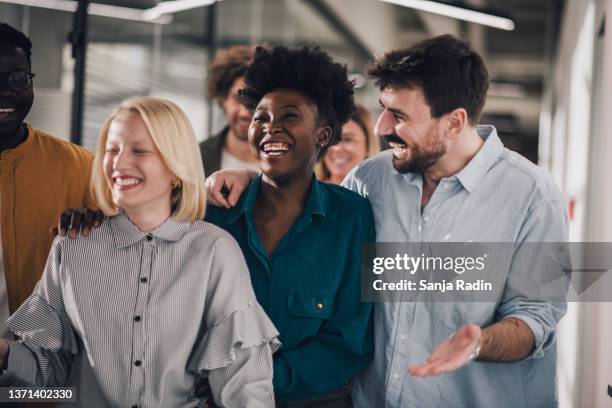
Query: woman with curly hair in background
(301, 238)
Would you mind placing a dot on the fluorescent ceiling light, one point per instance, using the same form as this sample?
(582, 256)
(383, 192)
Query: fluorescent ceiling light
(459, 13)
(159, 14)
(64, 5)
(169, 7)
(125, 13)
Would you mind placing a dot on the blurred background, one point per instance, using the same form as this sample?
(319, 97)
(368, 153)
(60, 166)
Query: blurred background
(550, 63)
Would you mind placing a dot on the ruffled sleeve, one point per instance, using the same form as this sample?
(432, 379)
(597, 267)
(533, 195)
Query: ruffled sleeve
(238, 339)
(245, 328)
(48, 342)
(41, 325)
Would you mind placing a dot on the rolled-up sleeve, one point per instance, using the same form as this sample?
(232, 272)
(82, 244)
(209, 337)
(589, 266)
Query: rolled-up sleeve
(235, 352)
(537, 285)
(48, 342)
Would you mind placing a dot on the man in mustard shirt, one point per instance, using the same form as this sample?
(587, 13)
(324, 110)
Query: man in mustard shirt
(40, 176)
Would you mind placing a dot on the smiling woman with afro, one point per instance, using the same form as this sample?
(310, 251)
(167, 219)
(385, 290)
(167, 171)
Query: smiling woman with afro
(309, 71)
(302, 237)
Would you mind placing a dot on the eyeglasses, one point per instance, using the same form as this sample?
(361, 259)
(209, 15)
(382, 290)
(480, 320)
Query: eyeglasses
(18, 81)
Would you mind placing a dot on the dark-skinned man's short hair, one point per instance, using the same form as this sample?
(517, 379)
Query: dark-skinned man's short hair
(311, 72)
(228, 65)
(11, 37)
(448, 71)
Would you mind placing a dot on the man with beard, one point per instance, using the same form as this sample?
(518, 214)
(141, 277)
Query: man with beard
(447, 179)
(40, 176)
(229, 148)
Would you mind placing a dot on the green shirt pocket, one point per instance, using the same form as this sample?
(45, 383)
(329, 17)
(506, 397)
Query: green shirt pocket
(317, 304)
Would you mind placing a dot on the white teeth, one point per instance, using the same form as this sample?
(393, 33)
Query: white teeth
(400, 150)
(7, 110)
(275, 147)
(127, 181)
(398, 146)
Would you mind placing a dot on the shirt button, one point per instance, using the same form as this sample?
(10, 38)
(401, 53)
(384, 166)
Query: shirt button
(137, 363)
(137, 318)
(402, 337)
(319, 306)
(143, 280)
(396, 376)
(426, 218)
(149, 237)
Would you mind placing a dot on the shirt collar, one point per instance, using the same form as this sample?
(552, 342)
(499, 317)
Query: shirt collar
(486, 157)
(126, 233)
(316, 202)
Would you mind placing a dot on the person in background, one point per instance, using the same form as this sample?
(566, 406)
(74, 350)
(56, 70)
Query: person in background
(302, 238)
(356, 144)
(229, 148)
(39, 174)
(154, 298)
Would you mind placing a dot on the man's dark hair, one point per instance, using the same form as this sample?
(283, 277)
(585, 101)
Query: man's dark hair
(228, 65)
(449, 72)
(308, 70)
(11, 37)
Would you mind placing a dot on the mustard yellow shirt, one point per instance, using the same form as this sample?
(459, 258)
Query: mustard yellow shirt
(38, 179)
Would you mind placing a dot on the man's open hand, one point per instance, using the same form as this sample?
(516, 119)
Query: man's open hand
(452, 354)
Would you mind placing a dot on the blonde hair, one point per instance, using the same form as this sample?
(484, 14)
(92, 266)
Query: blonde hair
(363, 119)
(173, 136)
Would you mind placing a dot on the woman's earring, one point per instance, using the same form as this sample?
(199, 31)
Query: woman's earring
(176, 184)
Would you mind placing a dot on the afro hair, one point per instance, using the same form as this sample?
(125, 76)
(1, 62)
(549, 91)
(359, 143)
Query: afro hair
(308, 70)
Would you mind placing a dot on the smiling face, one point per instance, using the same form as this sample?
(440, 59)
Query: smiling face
(135, 172)
(352, 150)
(285, 136)
(237, 116)
(14, 106)
(406, 123)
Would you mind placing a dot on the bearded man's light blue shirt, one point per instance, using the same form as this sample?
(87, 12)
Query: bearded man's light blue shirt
(499, 196)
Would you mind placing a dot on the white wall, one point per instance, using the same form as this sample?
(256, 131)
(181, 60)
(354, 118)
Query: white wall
(597, 317)
(577, 149)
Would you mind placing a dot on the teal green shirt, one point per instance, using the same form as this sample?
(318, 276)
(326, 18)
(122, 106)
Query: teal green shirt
(310, 287)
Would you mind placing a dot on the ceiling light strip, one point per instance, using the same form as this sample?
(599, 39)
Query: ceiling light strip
(159, 14)
(459, 13)
(169, 7)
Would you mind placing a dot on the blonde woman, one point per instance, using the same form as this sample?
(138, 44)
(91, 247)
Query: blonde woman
(154, 298)
(357, 143)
